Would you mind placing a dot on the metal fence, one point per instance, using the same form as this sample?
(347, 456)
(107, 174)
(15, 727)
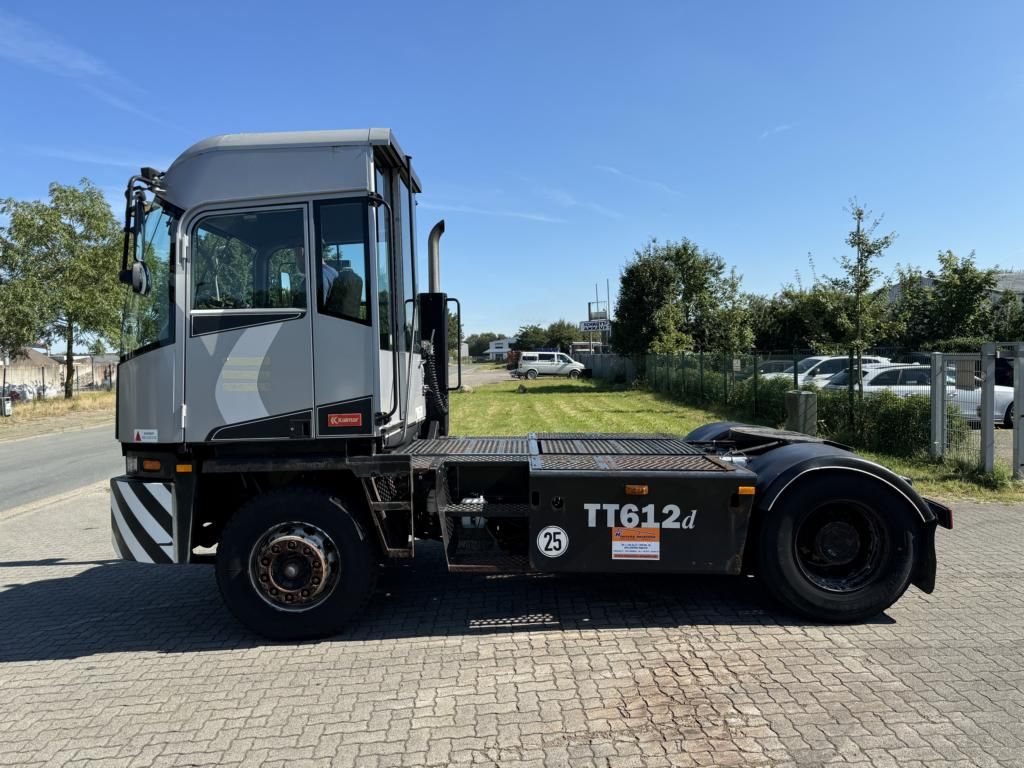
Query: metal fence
(895, 401)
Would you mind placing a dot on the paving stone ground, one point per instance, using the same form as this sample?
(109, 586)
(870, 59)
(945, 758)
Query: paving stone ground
(109, 663)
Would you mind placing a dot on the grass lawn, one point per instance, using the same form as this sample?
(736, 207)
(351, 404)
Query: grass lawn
(40, 416)
(558, 405)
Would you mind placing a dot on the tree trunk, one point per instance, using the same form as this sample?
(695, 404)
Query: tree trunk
(69, 362)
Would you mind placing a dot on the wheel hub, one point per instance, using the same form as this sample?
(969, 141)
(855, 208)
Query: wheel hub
(294, 566)
(837, 543)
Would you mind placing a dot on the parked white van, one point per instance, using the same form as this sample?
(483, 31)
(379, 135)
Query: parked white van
(534, 364)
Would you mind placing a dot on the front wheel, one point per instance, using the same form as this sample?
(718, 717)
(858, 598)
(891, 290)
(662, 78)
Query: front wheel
(574, 374)
(295, 564)
(838, 549)
(1008, 419)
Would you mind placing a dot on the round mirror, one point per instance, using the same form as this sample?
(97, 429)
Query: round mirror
(140, 278)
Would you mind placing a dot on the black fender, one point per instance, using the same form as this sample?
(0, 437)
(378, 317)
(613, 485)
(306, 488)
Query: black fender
(782, 468)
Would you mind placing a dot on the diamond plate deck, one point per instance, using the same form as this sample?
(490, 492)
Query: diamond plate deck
(604, 446)
(470, 446)
(628, 463)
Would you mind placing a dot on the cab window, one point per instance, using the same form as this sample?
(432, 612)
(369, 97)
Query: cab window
(343, 259)
(239, 259)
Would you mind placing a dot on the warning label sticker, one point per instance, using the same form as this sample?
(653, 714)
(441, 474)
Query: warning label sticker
(146, 436)
(636, 543)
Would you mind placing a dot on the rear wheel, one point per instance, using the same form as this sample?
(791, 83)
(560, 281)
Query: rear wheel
(838, 549)
(574, 374)
(1008, 419)
(531, 374)
(295, 564)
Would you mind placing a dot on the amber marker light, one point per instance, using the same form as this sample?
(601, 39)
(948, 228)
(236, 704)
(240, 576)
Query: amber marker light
(151, 465)
(745, 490)
(637, 490)
(184, 468)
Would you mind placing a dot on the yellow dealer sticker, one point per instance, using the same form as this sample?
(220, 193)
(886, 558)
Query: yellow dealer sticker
(636, 543)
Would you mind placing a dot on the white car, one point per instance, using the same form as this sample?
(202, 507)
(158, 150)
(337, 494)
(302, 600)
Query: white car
(908, 379)
(534, 364)
(820, 368)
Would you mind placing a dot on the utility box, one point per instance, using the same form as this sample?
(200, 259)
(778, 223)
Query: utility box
(802, 412)
(5, 406)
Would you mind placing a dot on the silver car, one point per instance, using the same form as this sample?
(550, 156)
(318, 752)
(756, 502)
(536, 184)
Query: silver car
(534, 364)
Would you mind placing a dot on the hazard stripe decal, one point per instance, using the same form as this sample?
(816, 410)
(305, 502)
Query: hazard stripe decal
(140, 523)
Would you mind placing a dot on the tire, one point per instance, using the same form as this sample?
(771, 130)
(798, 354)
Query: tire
(348, 565)
(531, 374)
(1008, 419)
(574, 374)
(806, 538)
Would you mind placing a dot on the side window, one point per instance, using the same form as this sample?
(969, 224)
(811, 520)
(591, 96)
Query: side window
(546, 357)
(382, 180)
(831, 366)
(886, 378)
(564, 359)
(342, 259)
(408, 261)
(232, 255)
(916, 378)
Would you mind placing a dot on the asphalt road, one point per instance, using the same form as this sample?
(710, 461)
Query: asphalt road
(39, 467)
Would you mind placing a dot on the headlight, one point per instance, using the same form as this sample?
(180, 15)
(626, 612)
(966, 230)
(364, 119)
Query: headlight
(131, 465)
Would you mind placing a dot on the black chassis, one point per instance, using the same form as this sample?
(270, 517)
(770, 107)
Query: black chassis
(772, 461)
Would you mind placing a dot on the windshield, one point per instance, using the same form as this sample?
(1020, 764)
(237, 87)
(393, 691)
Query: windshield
(147, 319)
(805, 364)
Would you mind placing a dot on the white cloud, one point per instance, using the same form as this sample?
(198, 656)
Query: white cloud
(94, 158)
(636, 179)
(566, 200)
(459, 208)
(29, 45)
(777, 129)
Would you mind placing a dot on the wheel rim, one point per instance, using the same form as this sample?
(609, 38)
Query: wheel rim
(574, 374)
(294, 566)
(840, 546)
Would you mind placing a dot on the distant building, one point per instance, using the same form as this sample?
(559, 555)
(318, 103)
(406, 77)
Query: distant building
(499, 349)
(1005, 281)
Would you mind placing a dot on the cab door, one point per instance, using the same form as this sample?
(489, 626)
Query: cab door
(248, 356)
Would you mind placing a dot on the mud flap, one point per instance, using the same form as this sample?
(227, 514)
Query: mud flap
(142, 520)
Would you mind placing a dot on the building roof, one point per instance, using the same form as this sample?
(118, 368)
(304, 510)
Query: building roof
(29, 356)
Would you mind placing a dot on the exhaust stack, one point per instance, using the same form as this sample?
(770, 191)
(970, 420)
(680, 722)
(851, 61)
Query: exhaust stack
(434, 257)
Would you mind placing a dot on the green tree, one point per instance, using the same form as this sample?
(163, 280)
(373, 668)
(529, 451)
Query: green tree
(1008, 318)
(962, 305)
(479, 342)
(63, 256)
(454, 335)
(530, 337)
(647, 316)
(561, 334)
(852, 301)
(912, 308)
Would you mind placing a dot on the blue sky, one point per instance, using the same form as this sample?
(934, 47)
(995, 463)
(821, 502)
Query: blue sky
(557, 137)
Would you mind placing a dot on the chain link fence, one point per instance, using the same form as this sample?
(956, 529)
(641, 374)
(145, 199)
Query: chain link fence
(895, 401)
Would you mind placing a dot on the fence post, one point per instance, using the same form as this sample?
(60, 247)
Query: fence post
(988, 427)
(938, 431)
(757, 364)
(796, 376)
(702, 375)
(1018, 411)
(849, 390)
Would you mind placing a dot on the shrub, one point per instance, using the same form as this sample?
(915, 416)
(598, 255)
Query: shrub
(881, 422)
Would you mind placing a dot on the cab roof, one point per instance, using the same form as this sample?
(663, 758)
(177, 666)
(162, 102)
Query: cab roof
(234, 153)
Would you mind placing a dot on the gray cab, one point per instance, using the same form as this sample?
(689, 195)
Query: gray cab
(280, 262)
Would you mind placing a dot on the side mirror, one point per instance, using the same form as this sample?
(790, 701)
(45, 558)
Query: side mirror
(141, 283)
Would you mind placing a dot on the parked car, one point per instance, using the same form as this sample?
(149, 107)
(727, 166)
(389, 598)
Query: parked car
(47, 392)
(534, 364)
(904, 380)
(20, 392)
(765, 367)
(820, 368)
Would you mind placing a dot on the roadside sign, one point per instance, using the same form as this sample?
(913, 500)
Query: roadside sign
(595, 325)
